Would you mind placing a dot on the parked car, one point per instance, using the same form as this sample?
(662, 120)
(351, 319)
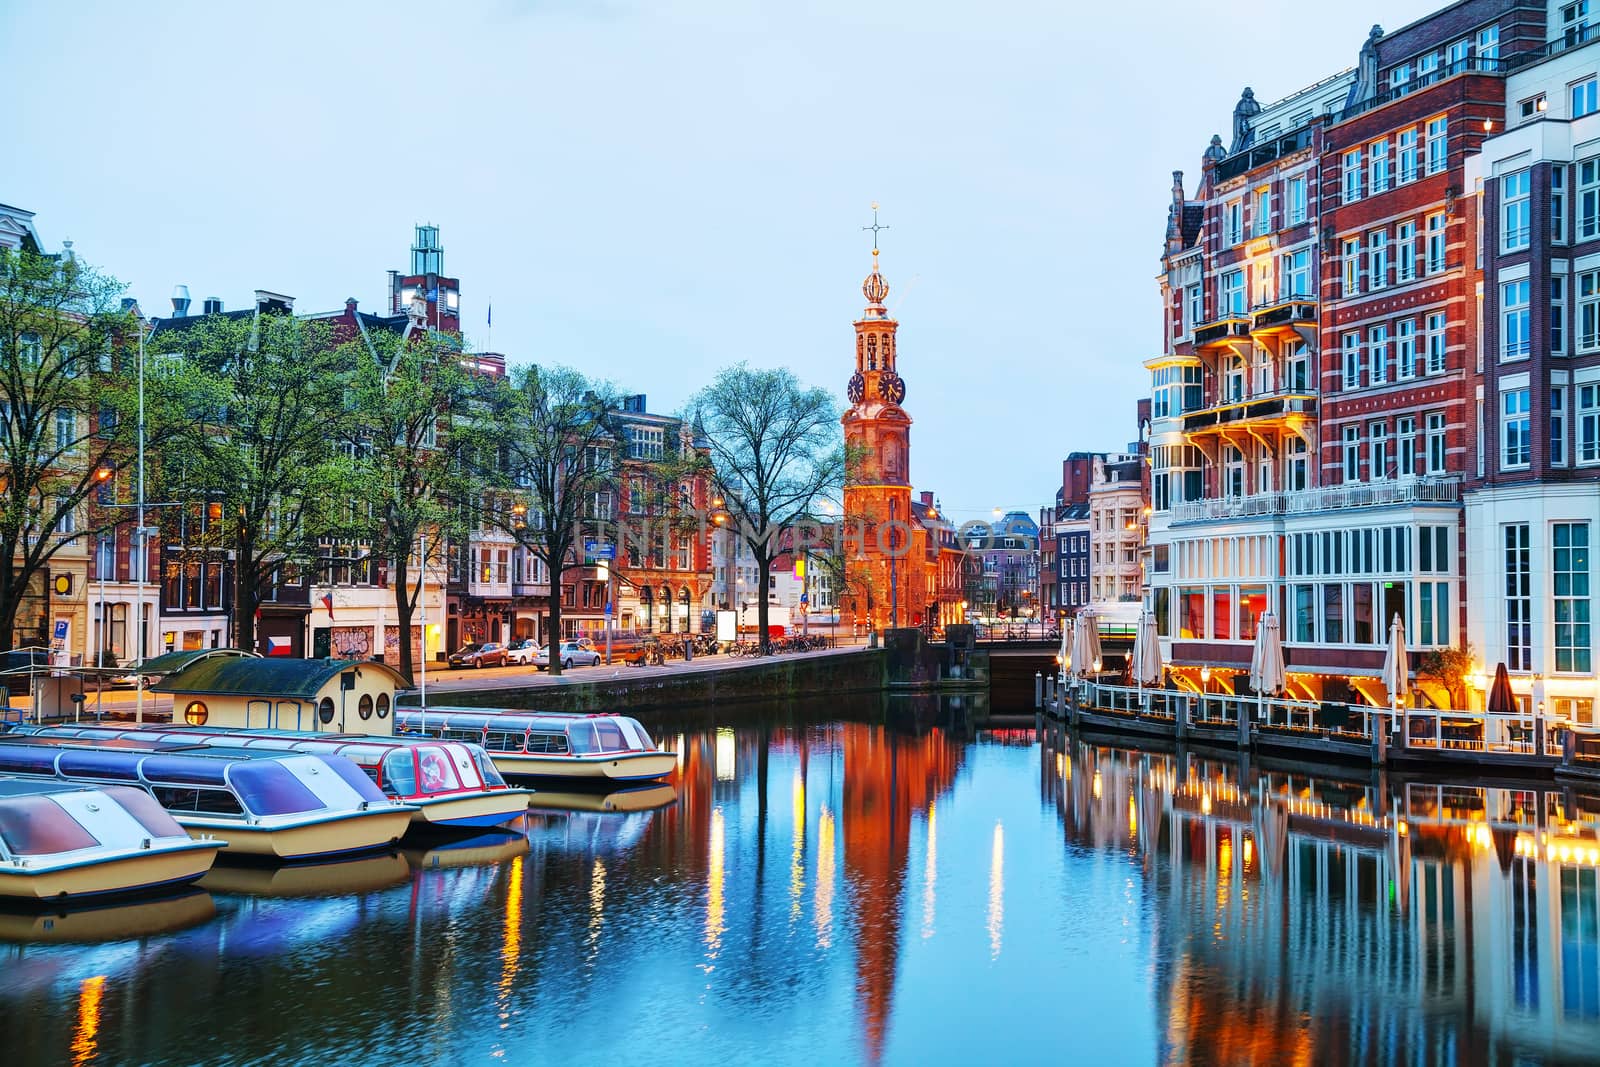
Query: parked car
(522, 651)
(572, 653)
(479, 654)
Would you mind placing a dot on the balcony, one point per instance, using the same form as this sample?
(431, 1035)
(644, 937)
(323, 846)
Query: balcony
(1260, 155)
(1278, 411)
(1330, 498)
(1224, 333)
(1284, 318)
(1469, 65)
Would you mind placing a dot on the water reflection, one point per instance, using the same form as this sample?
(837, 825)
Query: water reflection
(1351, 917)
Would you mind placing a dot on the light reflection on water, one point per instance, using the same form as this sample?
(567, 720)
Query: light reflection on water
(928, 893)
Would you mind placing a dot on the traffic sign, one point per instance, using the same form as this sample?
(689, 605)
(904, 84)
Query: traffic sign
(599, 550)
(608, 609)
(805, 598)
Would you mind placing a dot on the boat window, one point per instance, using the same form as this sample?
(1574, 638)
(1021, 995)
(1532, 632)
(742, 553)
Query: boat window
(547, 743)
(28, 761)
(399, 774)
(640, 733)
(92, 763)
(325, 710)
(186, 770)
(581, 736)
(351, 773)
(195, 713)
(504, 742)
(462, 735)
(143, 807)
(37, 826)
(364, 709)
(610, 736)
(437, 774)
(269, 788)
(191, 801)
(383, 705)
(486, 767)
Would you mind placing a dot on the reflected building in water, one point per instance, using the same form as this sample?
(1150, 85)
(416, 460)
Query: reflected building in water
(1312, 920)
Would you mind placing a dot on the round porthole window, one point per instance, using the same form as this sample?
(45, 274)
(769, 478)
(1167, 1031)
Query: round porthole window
(325, 710)
(195, 713)
(383, 705)
(364, 709)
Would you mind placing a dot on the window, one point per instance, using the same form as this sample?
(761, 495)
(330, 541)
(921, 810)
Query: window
(1377, 259)
(1352, 266)
(66, 429)
(1514, 211)
(1435, 342)
(1197, 306)
(1378, 166)
(1584, 100)
(1405, 355)
(1489, 42)
(1588, 199)
(1438, 145)
(1262, 212)
(1408, 155)
(1295, 189)
(1378, 354)
(1405, 250)
(1296, 475)
(1294, 275)
(1574, 21)
(1534, 105)
(1515, 433)
(1588, 424)
(1296, 368)
(1569, 566)
(1436, 449)
(1427, 67)
(1352, 453)
(1436, 235)
(1333, 614)
(1233, 222)
(1588, 311)
(1558, 426)
(1519, 598)
(1377, 450)
(1352, 176)
(1558, 314)
(1233, 292)
(1455, 55)
(1558, 205)
(1400, 76)
(195, 713)
(645, 442)
(1514, 325)
(68, 523)
(1352, 360)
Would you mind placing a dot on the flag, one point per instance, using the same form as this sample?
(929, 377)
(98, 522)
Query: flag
(279, 646)
(327, 602)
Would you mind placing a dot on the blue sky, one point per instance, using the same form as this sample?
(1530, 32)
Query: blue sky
(655, 190)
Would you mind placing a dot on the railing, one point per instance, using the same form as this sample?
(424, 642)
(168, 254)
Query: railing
(1572, 38)
(1265, 406)
(1469, 65)
(1232, 326)
(1331, 498)
(1291, 309)
(1225, 711)
(1259, 155)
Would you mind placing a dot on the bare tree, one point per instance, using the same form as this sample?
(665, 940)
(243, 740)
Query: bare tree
(776, 449)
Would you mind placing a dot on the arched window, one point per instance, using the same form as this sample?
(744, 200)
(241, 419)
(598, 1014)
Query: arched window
(325, 710)
(364, 709)
(195, 713)
(383, 705)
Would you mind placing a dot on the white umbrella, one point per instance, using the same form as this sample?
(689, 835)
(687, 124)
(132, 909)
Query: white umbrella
(1267, 674)
(1396, 673)
(1065, 655)
(1093, 644)
(1147, 651)
(1082, 658)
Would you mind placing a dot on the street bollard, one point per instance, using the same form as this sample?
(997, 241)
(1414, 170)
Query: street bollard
(1038, 689)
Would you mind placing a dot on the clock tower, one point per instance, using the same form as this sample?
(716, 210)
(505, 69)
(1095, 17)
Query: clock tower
(884, 575)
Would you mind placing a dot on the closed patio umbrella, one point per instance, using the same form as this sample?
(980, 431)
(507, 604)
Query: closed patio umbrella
(1064, 657)
(1083, 654)
(1147, 651)
(1092, 622)
(1267, 673)
(1396, 672)
(1501, 701)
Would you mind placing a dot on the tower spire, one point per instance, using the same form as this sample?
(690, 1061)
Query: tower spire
(875, 288)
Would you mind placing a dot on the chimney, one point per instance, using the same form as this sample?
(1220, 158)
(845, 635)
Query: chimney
(180, 301)
(394, 292)
(927, 498)
(212, 305)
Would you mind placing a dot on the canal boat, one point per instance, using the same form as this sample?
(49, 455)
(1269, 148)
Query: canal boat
(452, 785)
(65, 842)
(277, 806)
(540, 744)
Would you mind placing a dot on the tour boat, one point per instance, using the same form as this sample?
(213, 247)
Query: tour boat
(542, 744)
(451, 784)
(280, 806)
(62, 841)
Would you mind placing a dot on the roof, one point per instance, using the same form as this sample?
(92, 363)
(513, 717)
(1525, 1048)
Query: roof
(271, 676)
(172, 662)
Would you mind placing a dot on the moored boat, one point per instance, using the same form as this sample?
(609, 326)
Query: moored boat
(539, 744)
(61, 841)
(451, 784)
(279, 806)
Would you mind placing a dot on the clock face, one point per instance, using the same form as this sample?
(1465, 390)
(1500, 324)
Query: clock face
(892, 387)
(857, 388)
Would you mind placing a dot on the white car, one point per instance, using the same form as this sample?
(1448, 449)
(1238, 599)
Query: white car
(523, 652)
(572, 653)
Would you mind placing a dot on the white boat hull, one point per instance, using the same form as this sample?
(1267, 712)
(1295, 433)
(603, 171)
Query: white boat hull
(128, 873)
(304, 839)
(625, 767)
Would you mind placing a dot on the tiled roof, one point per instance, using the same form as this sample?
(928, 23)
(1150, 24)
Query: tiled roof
(272, 676)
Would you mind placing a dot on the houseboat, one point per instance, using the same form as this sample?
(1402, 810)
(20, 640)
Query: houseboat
(63, 842)
(279, 806)
(453, 785)
(539, 744)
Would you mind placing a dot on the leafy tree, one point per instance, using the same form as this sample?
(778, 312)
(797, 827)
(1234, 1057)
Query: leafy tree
(549, 435)
(776, 449)
(68, 417)
(270, 412)
(1450, 667)
(408, 391)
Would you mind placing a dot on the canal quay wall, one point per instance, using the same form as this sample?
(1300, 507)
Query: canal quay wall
(640, 689)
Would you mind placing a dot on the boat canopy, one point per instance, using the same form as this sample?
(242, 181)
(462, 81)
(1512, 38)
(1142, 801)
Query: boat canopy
(532, 731)
(50, 818)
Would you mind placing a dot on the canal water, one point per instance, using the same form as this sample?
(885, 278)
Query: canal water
(909, 883)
